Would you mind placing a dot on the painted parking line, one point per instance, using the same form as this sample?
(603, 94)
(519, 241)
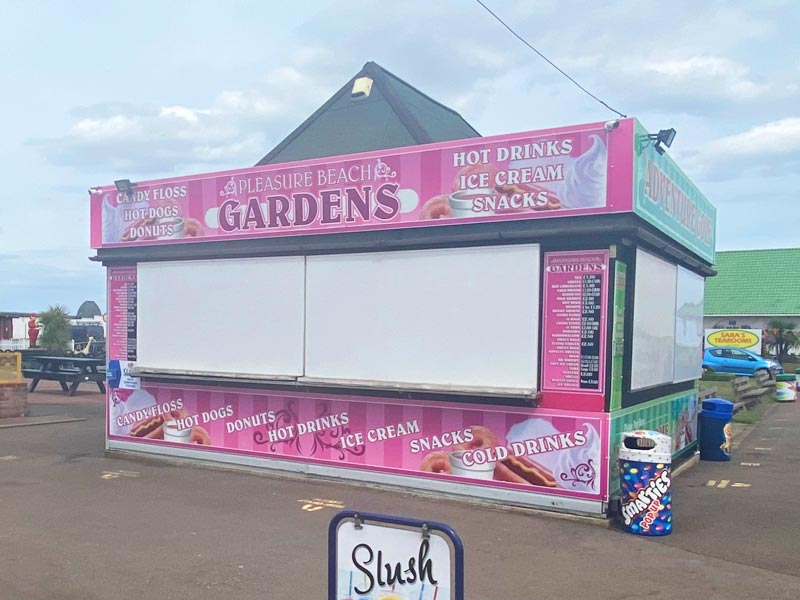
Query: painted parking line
(767, 449)
(741, 485)
(750, 464)
(9, 457)
(724, 483)
(775, 428)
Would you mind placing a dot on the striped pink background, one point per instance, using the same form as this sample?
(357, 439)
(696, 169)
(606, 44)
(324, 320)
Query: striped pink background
(366, 413)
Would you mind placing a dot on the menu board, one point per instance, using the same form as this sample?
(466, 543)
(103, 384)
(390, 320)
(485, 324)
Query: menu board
(575, 285)
(122, 313)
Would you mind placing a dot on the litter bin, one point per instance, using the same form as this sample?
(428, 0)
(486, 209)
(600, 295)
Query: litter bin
(785, 388)
(716, 423)
(645, 459)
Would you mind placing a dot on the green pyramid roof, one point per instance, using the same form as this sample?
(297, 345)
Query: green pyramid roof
(755, 282)
(394, 115)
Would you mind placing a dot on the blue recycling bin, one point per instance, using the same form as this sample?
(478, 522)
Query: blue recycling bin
(645, 460)
(716, 423)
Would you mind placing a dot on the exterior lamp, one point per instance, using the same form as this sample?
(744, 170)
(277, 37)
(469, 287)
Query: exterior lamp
(361, 88)
(665, 137)
(124, 185)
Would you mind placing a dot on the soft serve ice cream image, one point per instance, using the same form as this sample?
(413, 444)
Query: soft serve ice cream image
(113, 221)
(539, 175)
(584, 184)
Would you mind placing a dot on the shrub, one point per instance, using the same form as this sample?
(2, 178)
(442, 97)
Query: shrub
(56, 330)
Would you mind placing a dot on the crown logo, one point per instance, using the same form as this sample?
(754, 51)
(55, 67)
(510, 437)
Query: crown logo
(382, 171)
(229, 189)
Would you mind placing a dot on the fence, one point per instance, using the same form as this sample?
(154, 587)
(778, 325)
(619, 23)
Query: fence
(10, 367)
(15, 344)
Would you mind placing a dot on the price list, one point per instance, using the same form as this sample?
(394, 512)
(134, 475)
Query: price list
(575, 284)
(130, 320)
(122, 313)
(591, 304)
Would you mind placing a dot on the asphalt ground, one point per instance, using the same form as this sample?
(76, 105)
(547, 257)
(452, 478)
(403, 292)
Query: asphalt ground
(76, 524)
(747, 511)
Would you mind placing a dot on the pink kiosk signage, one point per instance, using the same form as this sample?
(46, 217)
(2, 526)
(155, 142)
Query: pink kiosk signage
(509, 401)
(568, 171)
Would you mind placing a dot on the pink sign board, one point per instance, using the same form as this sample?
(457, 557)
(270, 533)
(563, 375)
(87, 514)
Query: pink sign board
(536, 450)
(574, 331)
(549, 173)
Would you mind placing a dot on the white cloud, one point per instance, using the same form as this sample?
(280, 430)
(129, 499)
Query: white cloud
(182, 112)
(767, 148)
(773, 138)
(237, 128)
(113, 127)
(701, 75)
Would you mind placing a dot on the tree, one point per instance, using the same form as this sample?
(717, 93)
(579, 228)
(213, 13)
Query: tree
(781, 334)
(56, 330)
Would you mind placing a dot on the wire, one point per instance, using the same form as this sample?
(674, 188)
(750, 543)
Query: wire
(547, 60)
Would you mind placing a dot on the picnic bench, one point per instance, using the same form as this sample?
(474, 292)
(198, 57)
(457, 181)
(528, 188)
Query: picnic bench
(748, 391)
(706, 394)
(68, 371)
(765, 380)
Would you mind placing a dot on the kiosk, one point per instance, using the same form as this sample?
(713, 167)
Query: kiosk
(480, 318)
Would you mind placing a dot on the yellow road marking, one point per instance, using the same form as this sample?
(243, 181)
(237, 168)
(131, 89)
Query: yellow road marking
(316, 504)
(711, 483)
(740, 485)
(118, 474)
(724, 483)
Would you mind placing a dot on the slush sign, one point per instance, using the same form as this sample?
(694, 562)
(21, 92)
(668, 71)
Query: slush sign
(748, 339)
(393, 558)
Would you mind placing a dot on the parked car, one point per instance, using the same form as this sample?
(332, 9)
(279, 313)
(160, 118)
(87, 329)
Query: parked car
(738, 361)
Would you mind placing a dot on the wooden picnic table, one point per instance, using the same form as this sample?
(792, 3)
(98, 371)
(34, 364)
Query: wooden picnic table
(68, 371)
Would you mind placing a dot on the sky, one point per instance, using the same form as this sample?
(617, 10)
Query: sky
(93, 92)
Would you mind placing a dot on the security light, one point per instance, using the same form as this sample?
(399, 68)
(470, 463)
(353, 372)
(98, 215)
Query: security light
(124, 185)
(361, 88)
(665, 137)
